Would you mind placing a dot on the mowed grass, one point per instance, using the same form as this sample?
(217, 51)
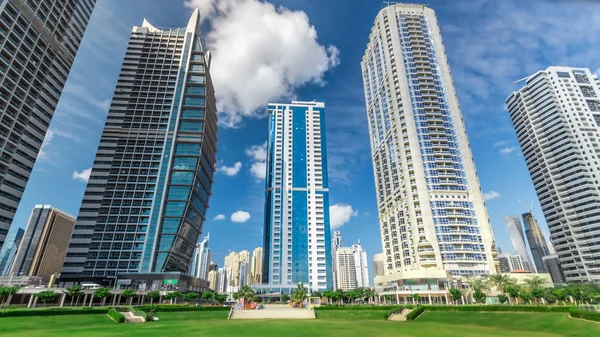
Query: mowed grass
(329, 323)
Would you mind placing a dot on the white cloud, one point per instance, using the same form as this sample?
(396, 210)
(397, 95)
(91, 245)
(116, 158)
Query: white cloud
(507, 150)
(83, 175)
(261, 53)
(230, 170)
(219, 217)
(491, 195)
(43, 154)
(240, 216)
(501, 143)
(258, 156)
(340, 214)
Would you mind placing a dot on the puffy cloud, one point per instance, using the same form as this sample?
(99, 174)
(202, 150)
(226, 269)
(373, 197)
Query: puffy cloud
(219, 217)
(507, 150)
(83, 175)
(258, 156)
(230, 170)
(43, 154)
(340, 214)
(262, 53)
(501, 143)
(240, 216)
(491, 195)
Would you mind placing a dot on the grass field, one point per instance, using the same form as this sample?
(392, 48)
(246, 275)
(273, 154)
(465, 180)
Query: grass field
(329, 323)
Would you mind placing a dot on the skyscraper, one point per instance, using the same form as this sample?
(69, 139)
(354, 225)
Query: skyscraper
(224, 280)
(432, 213)
(515, 231)
(38, 43)
(378, 265)
(9, 250)
(336, 243)
(556, 116)
(245, 269)
(145, 202)
(512, 262)
(537, 241)
(232, 261)
(351, 267)
(201, 259)
(297, 238)
(553, 268)
(44, 245)
(257, 265)
(213, 280)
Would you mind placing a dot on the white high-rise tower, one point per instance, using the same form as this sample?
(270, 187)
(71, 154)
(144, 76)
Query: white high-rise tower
(556, 116)
(515, 231)
(432, 213)
(201, 260)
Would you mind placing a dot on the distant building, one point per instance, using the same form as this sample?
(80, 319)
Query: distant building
(378, 264)
(351, 267)
(513, 262)
(45, 242)
(213, 280)
(9, 250)
(336, 243)
(537, 241)
(213, 266)
(224, 280)
(515, 232)
(201, 259)
(232, 261)
(244, 279)
(257, 265)
(553, 268)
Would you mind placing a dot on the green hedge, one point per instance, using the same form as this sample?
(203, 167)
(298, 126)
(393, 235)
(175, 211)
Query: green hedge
(585, 314)
(361, 307)
(53, 312)
(415, 313)
(175, 308)
(115, 315)
(505, 308)
(140, 313)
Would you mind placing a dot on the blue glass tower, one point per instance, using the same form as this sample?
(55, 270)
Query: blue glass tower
(297, 238)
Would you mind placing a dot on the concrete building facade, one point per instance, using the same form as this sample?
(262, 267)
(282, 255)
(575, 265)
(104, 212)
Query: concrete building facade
(257, 265)
(378, 264)
(432, 213)
(556, 115)
(38, 43)
(552, 265)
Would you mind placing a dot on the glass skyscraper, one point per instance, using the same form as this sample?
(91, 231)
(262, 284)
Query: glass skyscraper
(297, 238)
(38, 43)
(146, 200)
(432, 213)
(556, 116)
(515, 232)
(537, 241)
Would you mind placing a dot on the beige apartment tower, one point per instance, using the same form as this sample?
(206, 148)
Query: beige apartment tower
(44, 245)
(433, 219)
(257, 265)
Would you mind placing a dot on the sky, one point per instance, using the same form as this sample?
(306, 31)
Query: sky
(311, 49)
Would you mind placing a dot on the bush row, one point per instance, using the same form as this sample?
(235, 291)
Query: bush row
(585, 314)
(175, 308)
(415, 313)
(53, 312)
(506, 308)
(115, 315)
(361, 307)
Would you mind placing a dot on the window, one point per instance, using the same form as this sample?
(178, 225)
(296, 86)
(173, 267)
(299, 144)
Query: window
(189, 149)
(193, 113)
(193, 90)
(179, 193)
(175, 208)
(193, 101)
(191, 126)
(185, 163)
(198, 68)
(563, 74)
(197, 79)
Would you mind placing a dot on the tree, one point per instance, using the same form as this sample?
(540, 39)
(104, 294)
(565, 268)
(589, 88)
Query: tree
(299, 294)
(285, 298)
(479, 285)
(479, 296)
(7, 293)
(537, 294)
(246, 293)
(191, 297)
(328, 294)
(551, 299)
(388, 298)
(534, 282)
(208, 295)
(220, 298)
(173, 296)
(502, 299)
(526, 296)
(513, 291)
(416, 297)
(46, 296)
(456, 295)
(501, 281)
(129, 294)
(102, 293)
(74, 291)
(316, 294)
(153, 295)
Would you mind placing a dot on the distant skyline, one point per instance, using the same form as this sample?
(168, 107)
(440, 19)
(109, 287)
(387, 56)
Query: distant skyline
(489, 45)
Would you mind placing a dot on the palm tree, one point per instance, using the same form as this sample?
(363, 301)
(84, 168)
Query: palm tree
(534, 282)
(246, 293)
(416, 297)
(513, 291)
(328, 294)
(501, 281)
(478, 287)
(74, 291)
(299, 295)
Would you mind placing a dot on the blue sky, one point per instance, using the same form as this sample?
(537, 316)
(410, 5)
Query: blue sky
(489, 45)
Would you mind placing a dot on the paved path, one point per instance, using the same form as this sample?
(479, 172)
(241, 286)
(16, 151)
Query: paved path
(274, 311)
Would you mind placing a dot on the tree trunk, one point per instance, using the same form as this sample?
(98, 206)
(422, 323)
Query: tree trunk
(77, 300)
(151, 300)
(72, 298)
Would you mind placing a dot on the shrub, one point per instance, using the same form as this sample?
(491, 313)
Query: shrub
(52, 312)
(506, 308)
(584, 314)
(140, 313)
(415, 313)
(363, 307)
(175, 308)
(115, 315)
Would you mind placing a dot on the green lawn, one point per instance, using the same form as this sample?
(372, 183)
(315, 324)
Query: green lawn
(329, 323)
